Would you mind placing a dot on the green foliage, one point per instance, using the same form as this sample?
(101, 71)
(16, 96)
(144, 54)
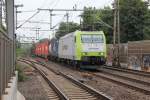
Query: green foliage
(20, 52)
(65, 28)
(147, 26)
(3, 29)
(98, 20)
(21, 75)
(32, 49)
(18, 45)
(132, 19)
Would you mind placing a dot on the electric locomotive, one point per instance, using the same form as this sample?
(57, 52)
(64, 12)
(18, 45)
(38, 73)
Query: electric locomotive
(83, 48)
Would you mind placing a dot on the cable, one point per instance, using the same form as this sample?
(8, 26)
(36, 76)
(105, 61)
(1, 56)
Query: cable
(59, 22)
(108, 2)
(28, 19)
(105, 24)
(28, 11)
(56, 3)
(52, 2)
(43, 3)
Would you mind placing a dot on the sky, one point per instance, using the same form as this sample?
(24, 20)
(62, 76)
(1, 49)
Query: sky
(30, 7)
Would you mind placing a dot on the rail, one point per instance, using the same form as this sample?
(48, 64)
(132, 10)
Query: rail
(78, 86)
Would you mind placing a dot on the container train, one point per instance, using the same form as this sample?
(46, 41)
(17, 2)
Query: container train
(77, 48)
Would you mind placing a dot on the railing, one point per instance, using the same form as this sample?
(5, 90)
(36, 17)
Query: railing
(6, 61)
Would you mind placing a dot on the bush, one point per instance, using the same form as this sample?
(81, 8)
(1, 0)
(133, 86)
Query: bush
(21, 75)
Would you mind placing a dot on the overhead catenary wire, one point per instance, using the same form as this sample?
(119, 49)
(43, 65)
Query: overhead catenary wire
(28, 11)
(59, 22)
(56, 3)
(28, 19)
(33, 14)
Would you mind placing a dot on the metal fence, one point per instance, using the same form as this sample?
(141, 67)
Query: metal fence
(6, 61)
(134, 55)
(123, 53)
(7, 53)
(139, 55)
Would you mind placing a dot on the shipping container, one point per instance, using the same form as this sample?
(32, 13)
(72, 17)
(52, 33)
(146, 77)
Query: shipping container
(42, 48)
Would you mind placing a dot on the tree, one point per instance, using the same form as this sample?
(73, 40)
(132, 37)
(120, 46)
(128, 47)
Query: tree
(147, 26)
(65, 28)
(132, 19)
(98, 20)
(106, 20)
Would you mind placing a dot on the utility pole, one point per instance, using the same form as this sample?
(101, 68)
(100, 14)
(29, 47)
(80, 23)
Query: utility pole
(118, 30)
(16, 8)
(67, 20)
(62, 10)
(116, 34)
(148, 3)
(37, 33)
(50, 19)
(81, 24)
(0, 12)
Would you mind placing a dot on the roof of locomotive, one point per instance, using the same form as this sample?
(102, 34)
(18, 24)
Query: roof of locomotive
(82, 32)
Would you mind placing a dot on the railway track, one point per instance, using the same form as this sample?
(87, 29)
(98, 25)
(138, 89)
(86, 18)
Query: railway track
(131, 71)
(128, 76)
(52, 93)
(124, 79)
(66, 86)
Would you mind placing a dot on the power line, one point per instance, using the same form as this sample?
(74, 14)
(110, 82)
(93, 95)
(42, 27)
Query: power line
(28, 27)
(56, 3)
(61, 9)
(51, 10)
(105, 24)
(52, 2)
(58, 23)
(28, 19)
(28, 11)
(16, 8)
(38, 22)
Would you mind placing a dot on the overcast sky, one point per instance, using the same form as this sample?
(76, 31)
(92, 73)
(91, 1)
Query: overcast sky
(43, 16)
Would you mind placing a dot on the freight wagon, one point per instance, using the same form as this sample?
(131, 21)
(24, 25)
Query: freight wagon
(53, 49)
(42, 48)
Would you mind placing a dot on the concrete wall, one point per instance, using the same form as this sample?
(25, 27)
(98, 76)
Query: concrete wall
(11, 92)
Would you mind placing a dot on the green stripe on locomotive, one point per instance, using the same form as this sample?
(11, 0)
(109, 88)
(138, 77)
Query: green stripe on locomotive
(79, 49)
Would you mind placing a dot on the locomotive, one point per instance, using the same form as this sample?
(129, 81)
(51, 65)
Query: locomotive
(77, 48)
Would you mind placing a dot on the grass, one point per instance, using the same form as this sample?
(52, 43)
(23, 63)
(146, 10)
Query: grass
(21, 76)
(20, 52)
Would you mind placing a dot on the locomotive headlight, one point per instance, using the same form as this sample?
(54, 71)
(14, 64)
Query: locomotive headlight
(101, 53)
(85, 53)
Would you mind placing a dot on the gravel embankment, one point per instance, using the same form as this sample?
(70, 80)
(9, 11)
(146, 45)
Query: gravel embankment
(117, 92)
(31, 87)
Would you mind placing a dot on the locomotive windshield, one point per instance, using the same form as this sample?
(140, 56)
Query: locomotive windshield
(94, 38)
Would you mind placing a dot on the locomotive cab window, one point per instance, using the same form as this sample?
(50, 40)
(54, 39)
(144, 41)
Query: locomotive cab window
(94, 38)
(86, 38)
